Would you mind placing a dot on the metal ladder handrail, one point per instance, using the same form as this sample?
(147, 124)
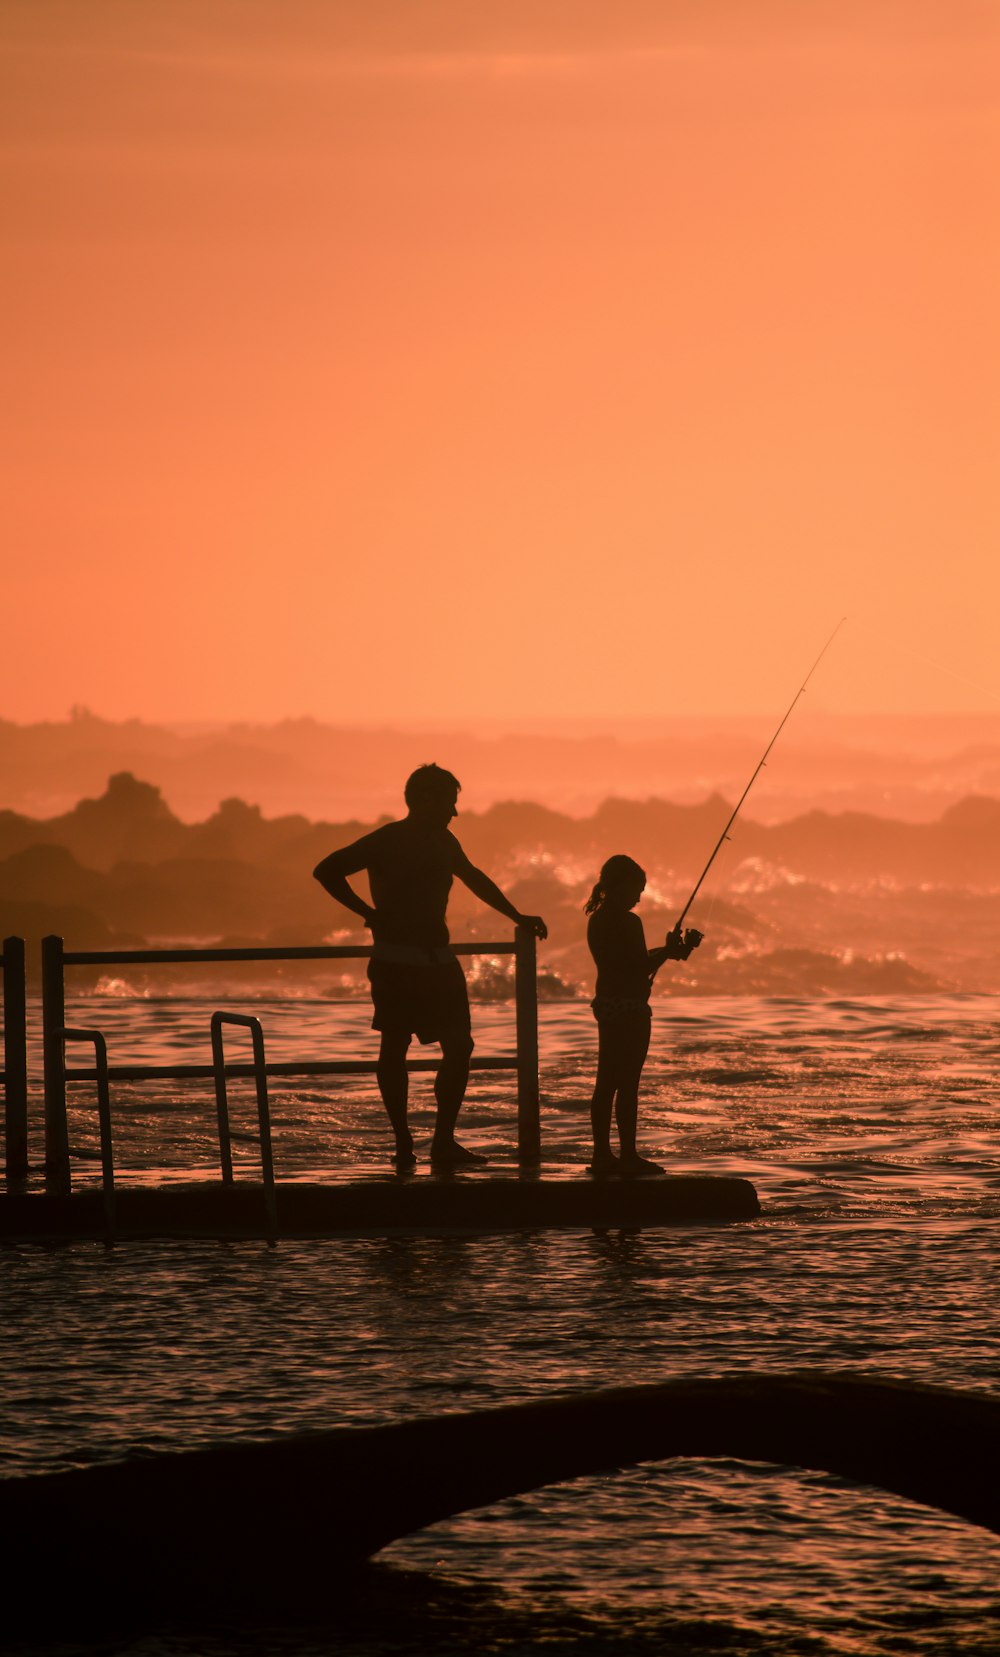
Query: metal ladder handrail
(103, 1115)
(245, 1021)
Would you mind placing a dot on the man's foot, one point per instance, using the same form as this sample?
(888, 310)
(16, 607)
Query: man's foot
(450, 1154)
(404, 1160)
(637, 1167)
(604, 1165)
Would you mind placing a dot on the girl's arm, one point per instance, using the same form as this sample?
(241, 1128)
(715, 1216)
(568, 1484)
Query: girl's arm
(678, 947)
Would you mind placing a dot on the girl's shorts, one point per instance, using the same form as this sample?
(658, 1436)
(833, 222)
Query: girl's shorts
(620, 1009)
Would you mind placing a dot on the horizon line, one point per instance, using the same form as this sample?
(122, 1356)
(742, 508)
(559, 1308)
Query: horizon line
(471, 725)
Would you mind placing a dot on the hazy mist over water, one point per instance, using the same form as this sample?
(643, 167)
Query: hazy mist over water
(912, 767)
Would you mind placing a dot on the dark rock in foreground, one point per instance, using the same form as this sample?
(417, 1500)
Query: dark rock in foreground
(271, 1525)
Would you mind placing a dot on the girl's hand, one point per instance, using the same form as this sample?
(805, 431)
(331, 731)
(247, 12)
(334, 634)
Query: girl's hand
(674, 946)
(679, 945)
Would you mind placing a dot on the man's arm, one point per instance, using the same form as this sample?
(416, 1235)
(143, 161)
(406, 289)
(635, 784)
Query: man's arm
(482, 887)
(332, 875)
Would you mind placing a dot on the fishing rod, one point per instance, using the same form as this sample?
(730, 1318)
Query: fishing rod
(724, 836)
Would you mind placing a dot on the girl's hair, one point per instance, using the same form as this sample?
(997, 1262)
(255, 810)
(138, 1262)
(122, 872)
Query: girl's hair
(615, 872)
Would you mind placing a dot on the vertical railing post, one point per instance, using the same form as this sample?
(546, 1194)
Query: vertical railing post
(221, 1101)
(57, 1176)
(15, 1060)
(264, 1121)
(104, 1122)
(529, 1144)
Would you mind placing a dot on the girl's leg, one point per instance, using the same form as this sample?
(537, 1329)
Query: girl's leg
(603, 1100)
(627, 1100)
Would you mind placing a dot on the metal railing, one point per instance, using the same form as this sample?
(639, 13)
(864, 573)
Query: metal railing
(56, 959)
(247, 1022)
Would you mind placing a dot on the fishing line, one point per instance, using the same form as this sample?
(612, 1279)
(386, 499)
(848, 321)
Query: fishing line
(886, 639)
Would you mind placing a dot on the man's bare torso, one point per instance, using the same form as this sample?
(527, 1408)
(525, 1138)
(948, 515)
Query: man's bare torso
(410, 870)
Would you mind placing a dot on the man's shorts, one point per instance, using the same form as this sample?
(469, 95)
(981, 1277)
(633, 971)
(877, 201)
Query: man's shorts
(430, 1001)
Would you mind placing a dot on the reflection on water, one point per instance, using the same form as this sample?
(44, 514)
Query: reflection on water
(870, 1131)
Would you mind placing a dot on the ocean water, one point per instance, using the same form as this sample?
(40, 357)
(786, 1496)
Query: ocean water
(870, 1129)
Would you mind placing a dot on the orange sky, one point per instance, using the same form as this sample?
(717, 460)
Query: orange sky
(493, 357)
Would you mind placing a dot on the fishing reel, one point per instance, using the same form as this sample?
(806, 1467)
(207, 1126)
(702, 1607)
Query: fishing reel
(681, 944)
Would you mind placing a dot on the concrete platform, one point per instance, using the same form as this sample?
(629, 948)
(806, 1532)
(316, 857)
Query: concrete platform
(379, 1206)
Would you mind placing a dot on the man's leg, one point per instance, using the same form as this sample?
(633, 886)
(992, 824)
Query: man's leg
(393, 1083)
(450, 1084)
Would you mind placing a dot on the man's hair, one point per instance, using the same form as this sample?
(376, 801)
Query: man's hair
(429, 782)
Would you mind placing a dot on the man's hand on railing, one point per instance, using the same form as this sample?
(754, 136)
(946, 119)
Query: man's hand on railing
(535, 924)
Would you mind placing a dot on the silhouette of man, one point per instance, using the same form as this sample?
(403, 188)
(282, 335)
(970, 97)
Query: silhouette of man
(417, 983)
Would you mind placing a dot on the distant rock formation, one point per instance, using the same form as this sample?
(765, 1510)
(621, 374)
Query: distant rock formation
(820, 905)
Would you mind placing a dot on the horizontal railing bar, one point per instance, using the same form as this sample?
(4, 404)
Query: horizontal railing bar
(309, 952)
(308, 1067)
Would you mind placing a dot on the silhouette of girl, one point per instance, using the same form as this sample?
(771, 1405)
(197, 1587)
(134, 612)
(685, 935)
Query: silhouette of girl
(625, 973)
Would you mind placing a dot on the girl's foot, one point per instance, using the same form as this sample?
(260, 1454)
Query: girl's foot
(604, 1164)
(404, 1160)
(635, 1166)
(450, 1154)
